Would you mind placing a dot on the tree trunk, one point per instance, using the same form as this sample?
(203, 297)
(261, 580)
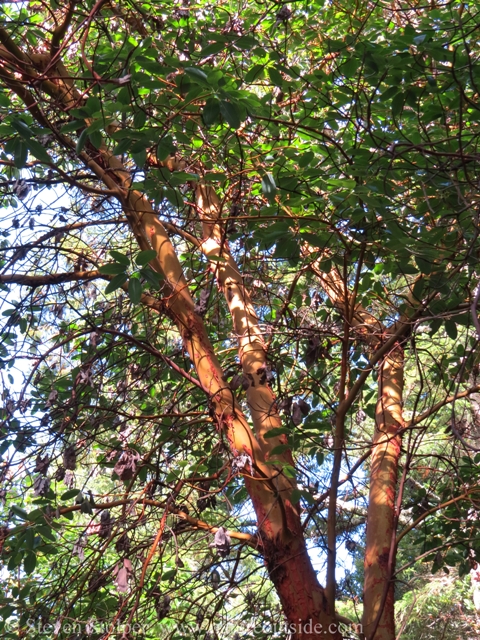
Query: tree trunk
(378, 598)
(280, 534)
(304, 602)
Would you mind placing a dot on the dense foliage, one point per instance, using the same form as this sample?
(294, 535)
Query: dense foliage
(326, 155)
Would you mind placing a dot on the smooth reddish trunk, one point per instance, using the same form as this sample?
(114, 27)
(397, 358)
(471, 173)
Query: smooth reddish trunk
(378, 599)
(303, 600)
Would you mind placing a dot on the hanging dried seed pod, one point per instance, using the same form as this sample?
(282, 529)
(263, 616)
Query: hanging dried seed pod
(105, 530)
(200, 616)
(42, 464)
(304, 407)
(127, 464)
(59, 474)
(163, 607)
(123, 544)
(235, 382)
(41, 486)
(97, 581)
(297, 415)
(70, 458)
(222, 542)
(215, 577)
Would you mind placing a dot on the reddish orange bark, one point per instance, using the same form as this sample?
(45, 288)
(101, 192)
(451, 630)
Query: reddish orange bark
(378, 601)
(378, 598)
(303, 600)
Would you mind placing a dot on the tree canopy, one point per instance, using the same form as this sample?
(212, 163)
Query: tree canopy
(239, 345)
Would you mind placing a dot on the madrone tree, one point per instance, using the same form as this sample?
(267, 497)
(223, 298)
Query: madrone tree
(239, 269)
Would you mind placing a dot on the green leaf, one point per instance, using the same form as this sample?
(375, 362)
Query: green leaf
(246, 42)
(424, 265)
(122, 147)
(174, 197)
(112, 269)
(120, 257)
(20, 153)
(22, 128)
(320, 457)
(81, 114)
(116, 282)
(134, 290)
(75, 125)
(397, 104)
(6, 611)
(169, 575)
(29, 538)
(139, 119)
(289, 471)
(278, 431)
(275, 76)
(30, 562)
(15, 561)
(451, 329)
(345, 183)
(269, 188)
(211, 49)
(211, 111)
(37, 150)
(82, 140)
(295, 496)
(152, 277)
(230, 113)
(254, 73)
(93, 105)
(96, 125)
(182, 177)
(197, 74)
(46, 532)
(435, 326)
(96, 139)
(18, 511)
(279, 449)
(144, 257)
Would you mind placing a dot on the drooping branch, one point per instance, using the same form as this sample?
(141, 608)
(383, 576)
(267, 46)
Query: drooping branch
(442, 403)
(196, 523)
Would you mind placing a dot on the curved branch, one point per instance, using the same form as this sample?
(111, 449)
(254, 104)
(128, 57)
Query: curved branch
(426, 414)
(61, 30)
(56, 278)
(416, 522)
